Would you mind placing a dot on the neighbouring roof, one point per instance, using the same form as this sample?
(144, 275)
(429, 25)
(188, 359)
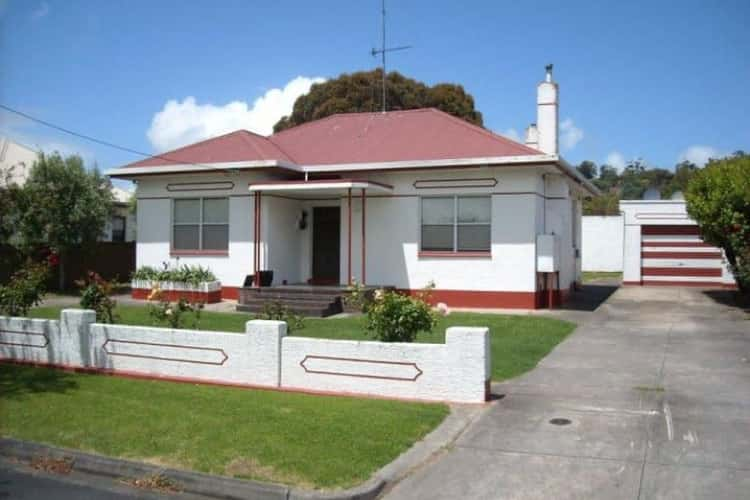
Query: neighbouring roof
(351, 138)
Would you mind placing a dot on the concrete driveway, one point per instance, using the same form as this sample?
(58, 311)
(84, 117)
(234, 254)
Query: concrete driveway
(655, 386)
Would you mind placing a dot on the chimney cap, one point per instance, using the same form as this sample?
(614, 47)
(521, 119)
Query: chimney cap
(548, 69)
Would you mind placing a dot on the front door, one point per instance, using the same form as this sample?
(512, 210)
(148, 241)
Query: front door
(326, 245)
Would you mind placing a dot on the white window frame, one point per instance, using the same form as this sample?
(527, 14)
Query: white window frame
(456, 223)
(200, 224)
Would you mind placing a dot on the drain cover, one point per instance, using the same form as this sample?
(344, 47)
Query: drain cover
(560, 421)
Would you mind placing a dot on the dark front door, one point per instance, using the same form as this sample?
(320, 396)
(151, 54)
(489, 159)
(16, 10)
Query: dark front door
(326, 245)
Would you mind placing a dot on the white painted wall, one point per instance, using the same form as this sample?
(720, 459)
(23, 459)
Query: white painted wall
(602, 243)
(16, 161)
(519, 213)
(456, 371)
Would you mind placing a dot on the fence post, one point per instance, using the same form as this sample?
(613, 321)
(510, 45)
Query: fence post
(75, 348)
(471, 361)
(264, 349)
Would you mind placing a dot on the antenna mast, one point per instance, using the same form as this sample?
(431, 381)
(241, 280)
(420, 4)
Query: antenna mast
(382, 51)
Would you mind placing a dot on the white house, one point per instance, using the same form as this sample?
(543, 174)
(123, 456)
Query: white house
(402, 199)
(16, 161)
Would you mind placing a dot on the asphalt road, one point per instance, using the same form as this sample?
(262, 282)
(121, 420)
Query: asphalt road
(18, 482)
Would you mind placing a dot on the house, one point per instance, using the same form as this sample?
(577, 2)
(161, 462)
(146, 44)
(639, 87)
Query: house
(662, 246)
(121, 226)
(402, 199)
(16, 161)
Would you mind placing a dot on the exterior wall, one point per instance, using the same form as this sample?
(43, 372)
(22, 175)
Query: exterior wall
(522, 206)
(130, 224)
(456, 371)
(15, 162)
(602, 243)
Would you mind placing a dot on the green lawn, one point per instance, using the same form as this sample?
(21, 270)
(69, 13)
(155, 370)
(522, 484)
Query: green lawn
(599, 275)
(518, 342)
(308, 441)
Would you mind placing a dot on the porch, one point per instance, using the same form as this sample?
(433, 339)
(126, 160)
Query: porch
(303, 232)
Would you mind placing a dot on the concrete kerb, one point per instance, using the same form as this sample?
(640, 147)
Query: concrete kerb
(460, 417)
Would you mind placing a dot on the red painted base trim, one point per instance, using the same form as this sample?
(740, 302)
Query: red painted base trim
(681, 255)
(188, 380)
(698, 272)
(494, 299)
(173, 295)
(230, 292)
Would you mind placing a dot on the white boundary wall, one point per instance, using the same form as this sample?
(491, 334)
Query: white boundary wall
(602, 240)
(457, 371)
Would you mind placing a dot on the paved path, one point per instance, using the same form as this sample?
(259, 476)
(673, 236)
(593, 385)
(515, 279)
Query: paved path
(656, 386)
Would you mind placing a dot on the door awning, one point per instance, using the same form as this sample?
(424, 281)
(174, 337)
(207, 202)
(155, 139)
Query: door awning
(319, 186)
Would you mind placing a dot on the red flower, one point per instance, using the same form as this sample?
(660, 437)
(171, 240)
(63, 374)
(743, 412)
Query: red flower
(53, 259)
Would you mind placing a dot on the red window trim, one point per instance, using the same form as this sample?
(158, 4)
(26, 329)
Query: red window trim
(216, 253)
(453, 255)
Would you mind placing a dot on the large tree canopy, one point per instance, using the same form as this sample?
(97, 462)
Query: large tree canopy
(361, 92)
(718, 198)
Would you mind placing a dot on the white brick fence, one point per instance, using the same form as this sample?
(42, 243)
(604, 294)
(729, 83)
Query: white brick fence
(457, 371)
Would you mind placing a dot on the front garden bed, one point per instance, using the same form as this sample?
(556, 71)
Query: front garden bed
(208, 292)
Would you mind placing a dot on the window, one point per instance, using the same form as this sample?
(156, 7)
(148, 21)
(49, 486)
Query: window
(200, 224)
(456, 224)
(118, 228)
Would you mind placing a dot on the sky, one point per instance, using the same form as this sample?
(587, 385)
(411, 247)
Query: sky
(657, 80)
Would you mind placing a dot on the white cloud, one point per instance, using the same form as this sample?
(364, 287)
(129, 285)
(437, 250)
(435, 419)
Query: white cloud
(615, 159)
(570, 135)
(699, 154)
(511, 134)
(181, 123)
(41, 11)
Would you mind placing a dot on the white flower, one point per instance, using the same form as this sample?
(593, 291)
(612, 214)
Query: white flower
(168, 312)
(442, 309)
(379, 294)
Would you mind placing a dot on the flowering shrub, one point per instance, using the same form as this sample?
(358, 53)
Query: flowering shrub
(96, 294)
(275, 310)
(186, 274)
(25, 289)
(173, 314)
(395, 317)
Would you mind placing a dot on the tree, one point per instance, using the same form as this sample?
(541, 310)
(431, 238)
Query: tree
(587, 169)
(63, 206)
(361, 92)
(604, 204)
(718, 198)
(608, 178)
(683, 172)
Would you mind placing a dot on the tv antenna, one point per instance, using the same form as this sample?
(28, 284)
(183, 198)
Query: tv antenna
(383, 50)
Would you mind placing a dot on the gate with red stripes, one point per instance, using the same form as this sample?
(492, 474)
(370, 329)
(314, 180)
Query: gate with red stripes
(676, 255)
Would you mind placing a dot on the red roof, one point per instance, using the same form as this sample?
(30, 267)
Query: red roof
(419, 134)
(241, 145)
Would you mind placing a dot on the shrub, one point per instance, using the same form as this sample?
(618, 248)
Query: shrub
(185, 273)
(718, 198)
(96, 294)
(276, 311)
(173, 314)
(25, 289)
(395, 317)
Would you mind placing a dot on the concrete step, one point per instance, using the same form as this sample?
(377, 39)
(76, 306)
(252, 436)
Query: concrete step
(271, 296)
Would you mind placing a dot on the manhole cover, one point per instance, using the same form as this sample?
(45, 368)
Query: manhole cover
(560, 421)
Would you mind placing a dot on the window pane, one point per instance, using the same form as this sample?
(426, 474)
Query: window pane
(185, 237)
(437, 211)
(437, 238)
(187, 211)
(474, 209)
(216, 210)
(216, 237)
(473, 238)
